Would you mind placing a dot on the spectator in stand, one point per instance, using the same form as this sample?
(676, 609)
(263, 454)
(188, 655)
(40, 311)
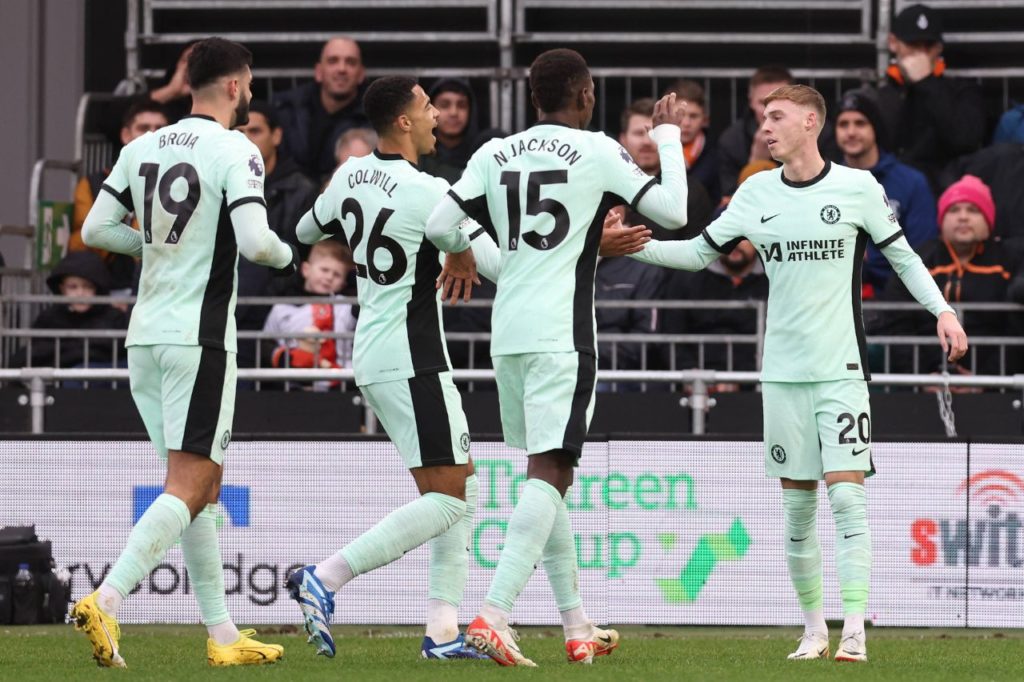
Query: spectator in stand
(141, 117)
(625, 279)
(175, 94)
(356, 142)
(700, 152)
(289, 194)
(1001, 167)
(1011, 126)
(80, 273)
(932, 118)
(861, 136)
(316, 114)
(969, 267)
(742, 143)
(635, 124)
(323, 274)
(735, 276)
(456, 128)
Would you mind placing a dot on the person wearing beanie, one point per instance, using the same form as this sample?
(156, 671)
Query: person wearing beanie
(861, 136)
(456, 128)
(80, 273)
(932, 118)
(970, 266)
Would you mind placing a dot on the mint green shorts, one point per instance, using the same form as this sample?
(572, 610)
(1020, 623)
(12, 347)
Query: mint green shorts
(811, 429)
(185, 396)
(546, 400)
(423, 417)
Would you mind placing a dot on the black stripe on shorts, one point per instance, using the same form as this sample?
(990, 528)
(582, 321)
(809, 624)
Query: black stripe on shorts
(576, 427)
(433, 428)
(204, 405)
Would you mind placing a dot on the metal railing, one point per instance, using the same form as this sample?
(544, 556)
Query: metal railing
(698, 399)
(655, 349)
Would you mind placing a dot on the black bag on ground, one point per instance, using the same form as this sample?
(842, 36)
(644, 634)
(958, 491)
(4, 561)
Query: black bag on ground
(44, 598)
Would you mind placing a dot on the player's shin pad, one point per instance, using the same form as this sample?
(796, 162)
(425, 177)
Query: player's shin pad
(803, 551)
(853, 544)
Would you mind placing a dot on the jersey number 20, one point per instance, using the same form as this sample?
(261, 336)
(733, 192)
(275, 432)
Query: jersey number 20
(181, 210)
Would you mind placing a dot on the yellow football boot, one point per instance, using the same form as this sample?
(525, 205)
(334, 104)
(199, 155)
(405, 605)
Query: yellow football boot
(246, 651)
(102, 630)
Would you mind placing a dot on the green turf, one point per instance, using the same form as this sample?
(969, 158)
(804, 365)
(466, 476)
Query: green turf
(178, 653)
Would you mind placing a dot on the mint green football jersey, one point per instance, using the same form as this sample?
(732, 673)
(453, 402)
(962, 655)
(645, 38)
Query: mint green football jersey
(381, 202)
(811, 237)
(546, 191)
(182, 182)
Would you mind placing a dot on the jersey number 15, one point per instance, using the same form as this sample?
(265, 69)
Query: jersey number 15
(535, 206)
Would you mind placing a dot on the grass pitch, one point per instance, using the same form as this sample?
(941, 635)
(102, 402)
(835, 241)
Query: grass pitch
(170, 652)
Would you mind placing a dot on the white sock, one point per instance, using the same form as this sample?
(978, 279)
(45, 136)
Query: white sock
(109, 599)
(442, 621)
(814, 621)
(334, 572)
(224, 633)
(854, 624)
(496, 616)
(576, 624)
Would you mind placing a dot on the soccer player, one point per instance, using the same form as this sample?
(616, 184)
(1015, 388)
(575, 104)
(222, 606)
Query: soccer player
(198, 188)
(811, 221)
(381, 203)
(547, 191)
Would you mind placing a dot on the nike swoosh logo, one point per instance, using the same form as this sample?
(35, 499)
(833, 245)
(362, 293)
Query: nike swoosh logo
(853, 535)
(764, 220)
(858, 452)
(799, 539)
(605, 639)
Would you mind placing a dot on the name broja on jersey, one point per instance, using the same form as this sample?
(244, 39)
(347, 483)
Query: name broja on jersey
(182, 182)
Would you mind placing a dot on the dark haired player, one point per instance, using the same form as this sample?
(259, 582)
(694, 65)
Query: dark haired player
(380, 204)
(546, 192)
(197, 188)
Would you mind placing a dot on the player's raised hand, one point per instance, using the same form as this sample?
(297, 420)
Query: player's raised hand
(619, 240)
(668, 110)
(951, 336)
(458, 276)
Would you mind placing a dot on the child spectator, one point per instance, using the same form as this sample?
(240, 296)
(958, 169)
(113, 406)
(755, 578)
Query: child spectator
(323, 274)
(80, 273)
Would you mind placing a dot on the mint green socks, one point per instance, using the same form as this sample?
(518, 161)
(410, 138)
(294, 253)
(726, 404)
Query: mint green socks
(449, 567)
(403, 529)
(449, 553)
(528, 531)
(562, 568)
(803, 554)
(201, 550)
(853, 549)
(159, 528)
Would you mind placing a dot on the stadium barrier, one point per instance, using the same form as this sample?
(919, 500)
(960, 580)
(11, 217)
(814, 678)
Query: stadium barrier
(668, 532)
(17, 309)
(697, 400)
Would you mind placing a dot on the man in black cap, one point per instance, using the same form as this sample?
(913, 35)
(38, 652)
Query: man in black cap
(861, 136)
(932, 118)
